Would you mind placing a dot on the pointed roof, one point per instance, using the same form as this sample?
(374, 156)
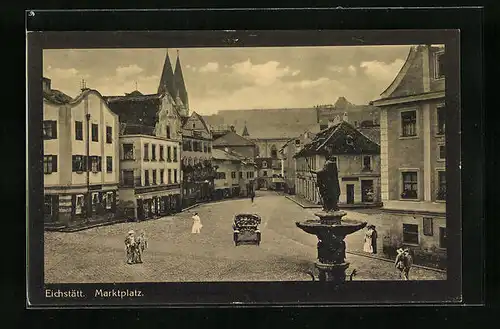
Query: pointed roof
(341, 138)
(232, 139)
(179, 81)
(245, 131)
(167, 81)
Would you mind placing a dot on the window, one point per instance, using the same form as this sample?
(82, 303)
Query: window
(297, 142)
(162, 176)
(209, 148)
(241, 174)
(169, 176)
(146, 177)
(355, 123)
(442, 152)
(146, 152)
(264, 164)
(410, 185)
(153, 152)
(409, 123)
(335, 160)
(162, 157)
(154, 177)
(194, 125)
(128, 152)
(49, 129)
(78, 130)
(441, 119)
(221, 175)
(168, 131)
(128, 177)
(442, 237)
(410, 233)
(169, 154)
(95, 132)
(49, 164)
(205, 147)
(233, 174)
(95, 163)
(175, 176)
(264, 173)
(367, 166)
(109, 135)
(175, 154)
(109, 200)
(79, 203)
(428, 226)
(441, 193)
(274, 152)
(439, 66)
(47, 210)
(109, 164)
(79, 163)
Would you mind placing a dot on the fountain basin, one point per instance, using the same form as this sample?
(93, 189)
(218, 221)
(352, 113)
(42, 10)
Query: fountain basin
(318, 227)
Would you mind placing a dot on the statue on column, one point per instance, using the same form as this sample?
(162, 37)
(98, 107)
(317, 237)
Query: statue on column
(328, 185)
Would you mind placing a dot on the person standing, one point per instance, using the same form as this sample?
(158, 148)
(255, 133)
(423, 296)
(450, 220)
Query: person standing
(367, 246)
(252, 195)
(196, 228)
(130, 245)
(403, 263)
(374, 239)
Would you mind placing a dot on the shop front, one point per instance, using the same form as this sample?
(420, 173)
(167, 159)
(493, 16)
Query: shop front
(157, 203)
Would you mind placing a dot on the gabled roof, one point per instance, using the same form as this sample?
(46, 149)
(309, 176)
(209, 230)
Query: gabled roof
(341, 138)
(134, 96)
(219, 154)
(232, 139)
(199, 117)
(57, 97)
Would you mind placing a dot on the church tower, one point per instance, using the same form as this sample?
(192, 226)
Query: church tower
(245, 131)
(167, 81)
(181, 92)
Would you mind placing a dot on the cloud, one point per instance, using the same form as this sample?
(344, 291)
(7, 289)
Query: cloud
(382, 71)
(352, 70)
(209, 67)
(335, 68)
(262, 74)
(128, 71)
(62, 74)
(304, 84)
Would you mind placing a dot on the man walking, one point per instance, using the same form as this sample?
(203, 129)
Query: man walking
(403, 263)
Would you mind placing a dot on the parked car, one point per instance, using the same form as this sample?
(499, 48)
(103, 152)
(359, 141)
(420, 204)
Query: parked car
(246, 229)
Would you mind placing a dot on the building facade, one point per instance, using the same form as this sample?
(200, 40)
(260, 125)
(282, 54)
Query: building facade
(358, 164)
(235, 176)
(197, 170)
(81, 157)
(150, 176)
(413, 150)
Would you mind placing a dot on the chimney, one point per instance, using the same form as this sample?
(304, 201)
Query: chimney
(344, 118)
(226, 149)
(46, 84)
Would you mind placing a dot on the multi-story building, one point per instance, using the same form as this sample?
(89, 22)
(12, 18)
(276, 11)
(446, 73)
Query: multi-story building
(150, 176)
(235, 176)
(239, 144)
(413, 152)
(197, 170)
(80, 158)
(358, 165)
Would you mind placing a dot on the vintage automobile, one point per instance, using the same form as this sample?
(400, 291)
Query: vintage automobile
(246, 229)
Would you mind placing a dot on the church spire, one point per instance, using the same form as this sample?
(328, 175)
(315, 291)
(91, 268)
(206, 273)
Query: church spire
(245, 131)
(179, 82)
(167, 81)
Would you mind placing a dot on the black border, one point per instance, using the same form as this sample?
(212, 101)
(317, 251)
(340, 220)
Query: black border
(288, 293)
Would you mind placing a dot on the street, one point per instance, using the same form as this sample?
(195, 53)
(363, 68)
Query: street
(286, 253)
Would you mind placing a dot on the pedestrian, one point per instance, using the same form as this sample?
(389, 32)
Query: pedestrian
(367, 246)
(403, 263)
(141, 245)
(374, 239)
(130, 246)
(252, 195)
(196, 224)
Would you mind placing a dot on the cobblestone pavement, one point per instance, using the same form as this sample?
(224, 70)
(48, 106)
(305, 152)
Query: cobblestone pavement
(175, 255)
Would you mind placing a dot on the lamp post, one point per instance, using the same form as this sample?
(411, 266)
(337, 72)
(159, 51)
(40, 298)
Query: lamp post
(87, 165)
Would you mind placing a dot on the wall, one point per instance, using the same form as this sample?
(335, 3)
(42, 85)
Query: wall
(51, 146)
(265, 145)
(167, 116)
(226, 167)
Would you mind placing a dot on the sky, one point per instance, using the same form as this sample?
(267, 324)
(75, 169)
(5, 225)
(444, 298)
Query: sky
(234, 78)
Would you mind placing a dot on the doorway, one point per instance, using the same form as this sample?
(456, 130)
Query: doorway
(367, 191)
(350, 193)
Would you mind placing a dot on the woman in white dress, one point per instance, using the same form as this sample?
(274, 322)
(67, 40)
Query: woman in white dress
(196, 224)
(368, 246)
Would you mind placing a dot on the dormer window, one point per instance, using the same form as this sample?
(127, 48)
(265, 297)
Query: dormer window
(349, 140)
(264, 164)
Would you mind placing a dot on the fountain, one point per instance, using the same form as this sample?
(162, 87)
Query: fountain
(330, 229)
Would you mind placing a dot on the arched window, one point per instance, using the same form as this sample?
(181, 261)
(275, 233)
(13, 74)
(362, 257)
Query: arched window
(168, 131)
(257, 151)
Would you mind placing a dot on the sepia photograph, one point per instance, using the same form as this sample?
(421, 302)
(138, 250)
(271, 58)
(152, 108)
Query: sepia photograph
(245, 164)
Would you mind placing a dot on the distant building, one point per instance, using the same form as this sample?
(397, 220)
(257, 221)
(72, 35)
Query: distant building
(230, 139)
(150, 176)
(80, 159)
(358, 163)
(235, 176)
(413, 150)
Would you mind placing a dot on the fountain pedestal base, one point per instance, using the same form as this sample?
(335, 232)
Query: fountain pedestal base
(332, 272)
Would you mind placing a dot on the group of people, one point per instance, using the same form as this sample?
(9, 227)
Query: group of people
(135, 247)
(370, 244)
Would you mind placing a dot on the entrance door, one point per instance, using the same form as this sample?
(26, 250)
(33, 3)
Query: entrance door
(367, 191)
(350, 193)
(140, 209)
